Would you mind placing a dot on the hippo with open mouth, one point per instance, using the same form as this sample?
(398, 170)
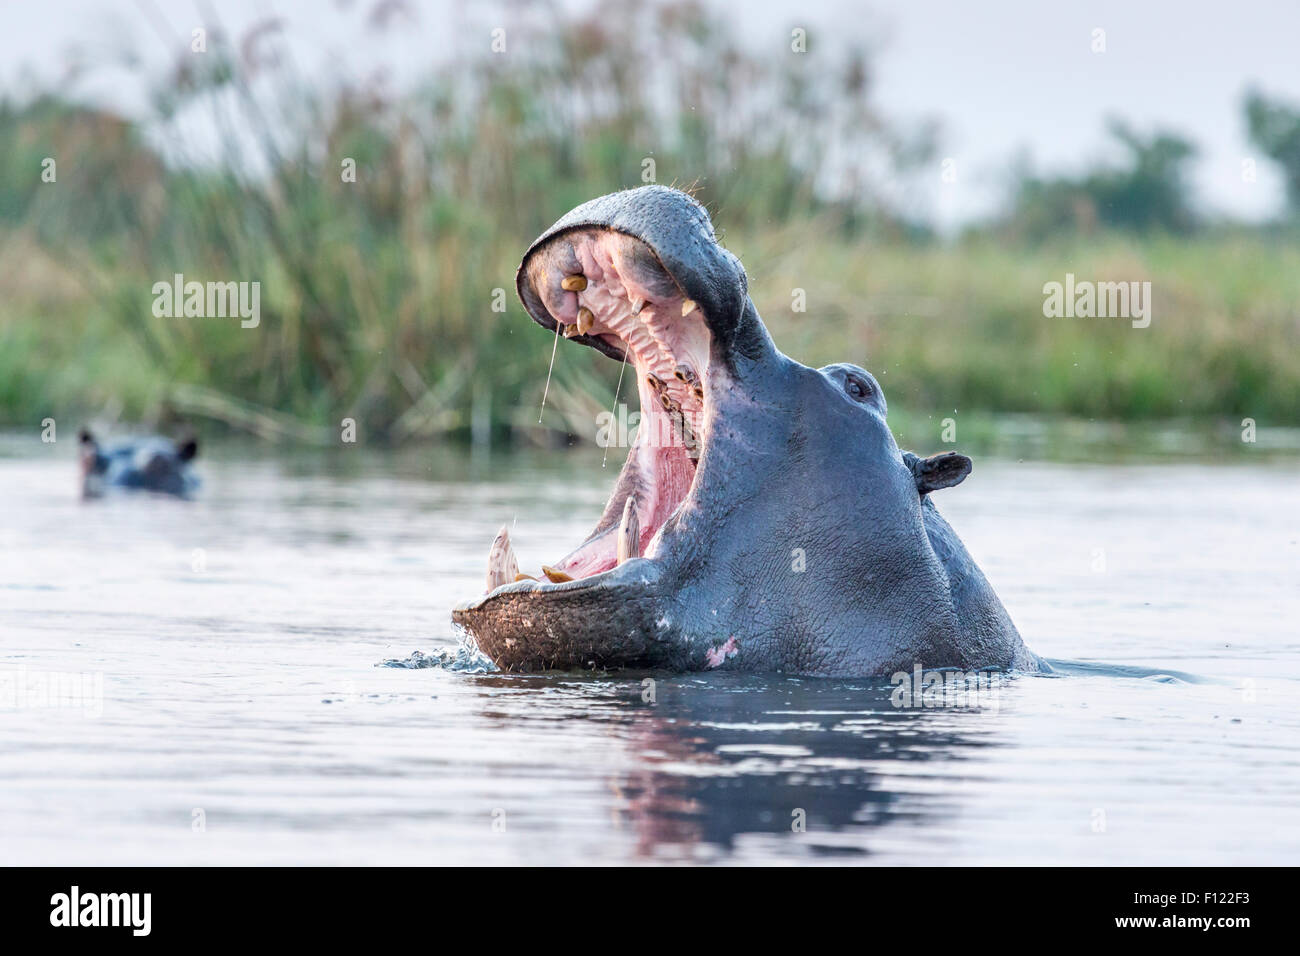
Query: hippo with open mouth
(765, 519)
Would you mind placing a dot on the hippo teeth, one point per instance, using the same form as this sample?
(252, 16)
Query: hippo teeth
(503, 568)
(629, 532)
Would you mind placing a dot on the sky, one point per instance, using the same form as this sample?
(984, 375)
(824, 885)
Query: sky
(1001, 77)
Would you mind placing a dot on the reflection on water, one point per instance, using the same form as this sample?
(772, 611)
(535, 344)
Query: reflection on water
(242, 713)
(726, 759)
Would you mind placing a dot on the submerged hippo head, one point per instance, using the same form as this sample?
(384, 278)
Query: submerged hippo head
(765, 519)
(143, 464)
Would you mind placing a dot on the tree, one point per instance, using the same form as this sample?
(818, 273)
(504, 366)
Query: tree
(1274, 127)
(1146, 192)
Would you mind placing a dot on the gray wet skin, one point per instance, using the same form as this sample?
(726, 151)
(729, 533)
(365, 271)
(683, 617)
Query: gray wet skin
(807, 542)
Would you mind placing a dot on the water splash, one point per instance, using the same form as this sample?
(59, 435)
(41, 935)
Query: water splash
(464, 659)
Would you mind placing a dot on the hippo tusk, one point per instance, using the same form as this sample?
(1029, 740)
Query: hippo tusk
(502, 568)
(629, 532)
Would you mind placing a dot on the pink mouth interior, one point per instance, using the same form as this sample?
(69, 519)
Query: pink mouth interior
(637, 308)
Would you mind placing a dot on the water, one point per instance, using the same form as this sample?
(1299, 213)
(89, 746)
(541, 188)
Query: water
(243, 715)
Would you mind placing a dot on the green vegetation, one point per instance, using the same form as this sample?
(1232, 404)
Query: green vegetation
(1148, 192)
(377, 296)
(962, 327)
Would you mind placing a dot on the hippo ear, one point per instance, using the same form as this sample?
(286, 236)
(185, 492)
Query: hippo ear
(188, 449)
(938, 471)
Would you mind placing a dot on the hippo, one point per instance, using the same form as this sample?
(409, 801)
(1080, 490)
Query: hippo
(765, 519)
(141, 464)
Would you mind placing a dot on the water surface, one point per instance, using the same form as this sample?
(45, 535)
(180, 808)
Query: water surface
(242, 714)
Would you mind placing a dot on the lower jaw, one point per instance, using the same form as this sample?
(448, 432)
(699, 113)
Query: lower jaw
(618, 618)
(511, 616)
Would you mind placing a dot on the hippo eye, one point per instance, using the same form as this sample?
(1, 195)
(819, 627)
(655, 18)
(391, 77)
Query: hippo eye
(857, 389)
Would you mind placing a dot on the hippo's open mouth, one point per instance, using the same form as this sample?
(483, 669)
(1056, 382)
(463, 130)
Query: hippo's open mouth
(609, 290)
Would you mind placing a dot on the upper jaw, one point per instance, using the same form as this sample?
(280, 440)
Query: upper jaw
(676, 229)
